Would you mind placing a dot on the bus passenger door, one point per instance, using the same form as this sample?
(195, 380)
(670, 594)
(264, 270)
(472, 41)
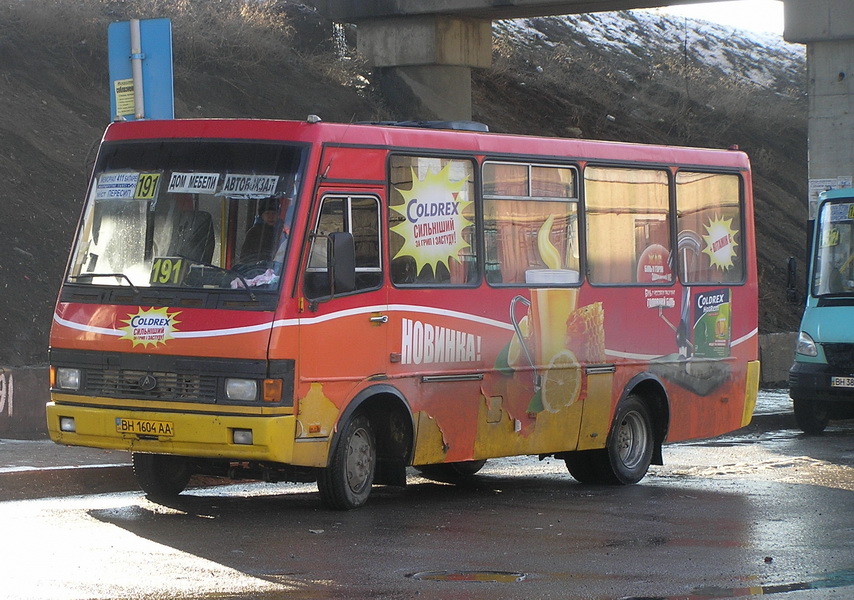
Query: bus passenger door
(343, 336)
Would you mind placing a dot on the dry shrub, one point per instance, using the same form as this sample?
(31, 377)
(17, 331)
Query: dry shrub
(235, 32)
(238, 32)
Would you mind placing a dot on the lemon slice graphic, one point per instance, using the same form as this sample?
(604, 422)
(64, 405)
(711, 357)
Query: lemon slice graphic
(561, 382)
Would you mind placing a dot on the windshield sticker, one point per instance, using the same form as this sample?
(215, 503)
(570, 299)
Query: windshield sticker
(249, 186)
(193, 183)
(841, 212)
(830, 238)
(433, 219)
(720, 243)
(127, 186)
(153, 326)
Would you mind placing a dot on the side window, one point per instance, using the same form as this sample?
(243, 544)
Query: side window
(359, 215)
(709, 228)
(628, 226)
(432, 221)
(530, 224)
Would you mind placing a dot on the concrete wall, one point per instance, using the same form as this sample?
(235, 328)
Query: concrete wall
(777, 353)
(24, 391)
(23, 395)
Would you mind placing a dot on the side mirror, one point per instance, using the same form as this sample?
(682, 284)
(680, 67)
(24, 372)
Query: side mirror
(341, 262)
(792, 281)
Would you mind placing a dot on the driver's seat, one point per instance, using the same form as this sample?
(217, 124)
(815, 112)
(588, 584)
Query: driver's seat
(193, 237)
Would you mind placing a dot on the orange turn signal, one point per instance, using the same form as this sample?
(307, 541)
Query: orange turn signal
(272, 390)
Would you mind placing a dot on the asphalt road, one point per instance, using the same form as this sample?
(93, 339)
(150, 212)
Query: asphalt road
(760, 512)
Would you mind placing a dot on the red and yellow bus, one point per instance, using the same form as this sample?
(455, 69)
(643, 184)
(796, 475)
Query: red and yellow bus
(337, 302)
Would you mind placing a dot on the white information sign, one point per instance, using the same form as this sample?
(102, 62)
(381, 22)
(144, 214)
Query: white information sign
(193, 183)
(249, 186)
(116, 186)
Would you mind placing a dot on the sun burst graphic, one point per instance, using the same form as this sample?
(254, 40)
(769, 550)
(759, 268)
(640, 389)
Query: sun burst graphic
(720, 243)
(433, 219)
(150, 327)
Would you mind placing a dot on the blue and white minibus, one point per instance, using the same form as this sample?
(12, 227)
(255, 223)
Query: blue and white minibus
(821, 380)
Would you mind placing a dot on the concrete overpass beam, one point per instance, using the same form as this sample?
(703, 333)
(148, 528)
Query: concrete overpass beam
(428, 92)
(424, 63)
(818, 20)
(827, 28)
(831, 109)
(426, 40)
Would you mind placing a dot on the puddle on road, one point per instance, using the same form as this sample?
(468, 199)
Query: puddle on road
(838, 579)
(481, 576)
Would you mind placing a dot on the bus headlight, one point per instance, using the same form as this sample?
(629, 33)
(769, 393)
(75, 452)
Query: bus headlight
(245, 390)
(67, 379)
(242, 436)
(806, 345)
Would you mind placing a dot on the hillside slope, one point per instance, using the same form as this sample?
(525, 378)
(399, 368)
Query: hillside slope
(634, 76)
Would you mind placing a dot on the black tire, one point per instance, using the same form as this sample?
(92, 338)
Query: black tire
(627, 453)
(811, 415)
(346, 482)
(631, 442)
(588, 466)
(159, 476)
(455, 472)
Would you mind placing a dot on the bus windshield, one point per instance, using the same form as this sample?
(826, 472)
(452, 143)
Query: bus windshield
(186, 214)
(833, 273)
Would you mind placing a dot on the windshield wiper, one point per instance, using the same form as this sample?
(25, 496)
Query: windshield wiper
(116, 275)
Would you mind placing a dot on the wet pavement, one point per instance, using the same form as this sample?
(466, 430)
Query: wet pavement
(730, 517)
(765, 511)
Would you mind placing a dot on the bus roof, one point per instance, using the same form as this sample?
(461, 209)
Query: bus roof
(836, 194)
(386, 135)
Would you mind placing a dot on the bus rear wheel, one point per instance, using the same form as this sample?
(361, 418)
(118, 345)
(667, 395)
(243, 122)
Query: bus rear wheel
(346, 482)
(628, 453)
(811, 415)
(161, 476)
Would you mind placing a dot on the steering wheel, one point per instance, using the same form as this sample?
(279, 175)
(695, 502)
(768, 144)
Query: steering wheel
(250, 270)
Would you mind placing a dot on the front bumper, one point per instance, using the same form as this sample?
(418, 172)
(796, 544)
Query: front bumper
(812, 381)
(203, 435)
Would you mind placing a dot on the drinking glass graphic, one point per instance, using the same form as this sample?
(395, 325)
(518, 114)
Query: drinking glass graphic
(550, 309)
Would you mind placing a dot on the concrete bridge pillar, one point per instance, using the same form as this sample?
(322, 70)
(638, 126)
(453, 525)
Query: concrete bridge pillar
(827, 29)
(424, 63)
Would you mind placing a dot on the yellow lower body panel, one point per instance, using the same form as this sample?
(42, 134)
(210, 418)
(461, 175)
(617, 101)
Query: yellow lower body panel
(751, 392)
(184, 434)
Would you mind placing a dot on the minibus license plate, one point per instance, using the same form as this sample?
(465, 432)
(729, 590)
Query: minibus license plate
(844, 382)
(145, 427)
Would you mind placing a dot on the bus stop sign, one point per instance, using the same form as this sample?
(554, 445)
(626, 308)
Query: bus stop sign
(154, 56)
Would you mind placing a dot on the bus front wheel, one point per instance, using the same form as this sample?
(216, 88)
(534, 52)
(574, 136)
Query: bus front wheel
(346, 482)
(161, 476)
(627, 454)
(811, 415)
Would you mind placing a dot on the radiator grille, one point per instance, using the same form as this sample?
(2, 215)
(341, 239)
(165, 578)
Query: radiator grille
(839, 355)
(154, 385)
